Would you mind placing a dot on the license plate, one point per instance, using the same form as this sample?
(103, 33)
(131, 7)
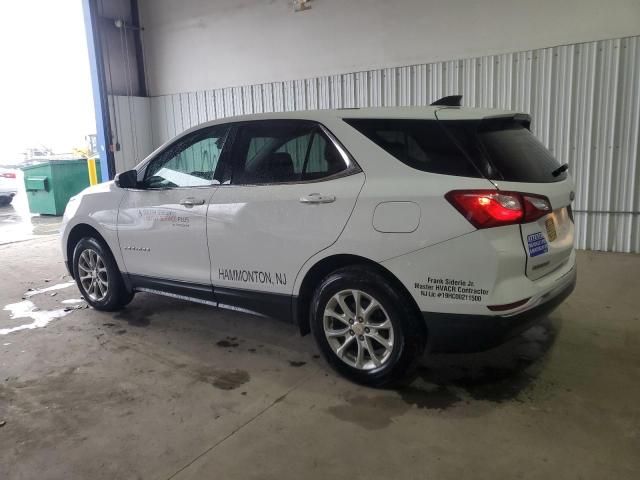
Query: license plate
(551, 229)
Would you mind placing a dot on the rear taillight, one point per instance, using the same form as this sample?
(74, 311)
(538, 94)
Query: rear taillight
(8, 175)
(493, 208)
(535, 206)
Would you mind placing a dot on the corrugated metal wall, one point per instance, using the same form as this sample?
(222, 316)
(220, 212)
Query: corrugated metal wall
(131, 125)
(584, 100)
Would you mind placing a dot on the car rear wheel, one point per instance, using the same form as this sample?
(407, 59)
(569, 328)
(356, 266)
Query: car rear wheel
(365, 329)
(98, 277)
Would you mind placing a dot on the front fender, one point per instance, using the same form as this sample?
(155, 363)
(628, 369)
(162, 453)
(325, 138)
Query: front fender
(97, 208)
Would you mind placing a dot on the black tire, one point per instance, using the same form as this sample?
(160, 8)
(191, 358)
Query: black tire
(117, 296)
(409, 336)
(4, 201)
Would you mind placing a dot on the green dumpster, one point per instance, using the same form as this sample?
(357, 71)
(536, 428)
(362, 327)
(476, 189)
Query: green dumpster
(51, 184)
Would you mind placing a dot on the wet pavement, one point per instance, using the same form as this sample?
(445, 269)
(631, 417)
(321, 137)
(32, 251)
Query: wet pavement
(18, 224)
(170, 389)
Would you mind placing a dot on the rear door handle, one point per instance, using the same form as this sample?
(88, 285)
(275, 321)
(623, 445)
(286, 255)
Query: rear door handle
(317, 198)
(190, 202)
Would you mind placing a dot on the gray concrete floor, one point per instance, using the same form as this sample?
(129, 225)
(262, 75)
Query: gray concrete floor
(167, 389)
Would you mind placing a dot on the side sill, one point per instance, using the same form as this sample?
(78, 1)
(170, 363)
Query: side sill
(176, 295)
(176, 287)
(274, 305)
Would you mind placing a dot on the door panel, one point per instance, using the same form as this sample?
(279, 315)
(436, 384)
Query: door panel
(261, 235)
(161, 237)
(162, 226)
(292, 191)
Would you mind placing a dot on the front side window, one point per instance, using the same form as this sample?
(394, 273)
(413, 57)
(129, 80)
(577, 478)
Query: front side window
(283, 151)
(190, 162)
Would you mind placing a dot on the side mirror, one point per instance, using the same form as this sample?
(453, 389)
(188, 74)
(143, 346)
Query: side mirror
(128, 179)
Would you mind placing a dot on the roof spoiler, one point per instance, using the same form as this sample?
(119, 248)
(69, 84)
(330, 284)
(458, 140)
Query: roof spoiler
(450, 101)
(522, 118)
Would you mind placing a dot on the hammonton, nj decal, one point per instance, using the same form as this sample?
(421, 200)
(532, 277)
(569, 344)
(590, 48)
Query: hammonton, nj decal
(252, 276)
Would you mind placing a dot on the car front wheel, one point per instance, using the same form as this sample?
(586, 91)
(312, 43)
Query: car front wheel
(365, 329)
(98, 277)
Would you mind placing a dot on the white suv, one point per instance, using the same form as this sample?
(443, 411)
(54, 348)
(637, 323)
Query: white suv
(382, 231)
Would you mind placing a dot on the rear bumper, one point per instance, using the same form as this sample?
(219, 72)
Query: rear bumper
(463, 333)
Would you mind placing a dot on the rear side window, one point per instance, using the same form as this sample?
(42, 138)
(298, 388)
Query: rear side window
(421, 144)
(283, 151)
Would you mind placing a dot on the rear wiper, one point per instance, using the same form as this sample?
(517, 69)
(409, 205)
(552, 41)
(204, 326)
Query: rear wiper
(562, 168)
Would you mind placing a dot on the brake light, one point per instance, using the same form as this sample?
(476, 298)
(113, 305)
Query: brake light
(493, 208)
(8, 175)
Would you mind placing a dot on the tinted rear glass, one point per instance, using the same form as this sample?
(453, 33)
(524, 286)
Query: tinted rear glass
(498, 149)
(516, 154)
(421, 144)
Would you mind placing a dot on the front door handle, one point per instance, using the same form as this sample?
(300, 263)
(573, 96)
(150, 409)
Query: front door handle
(317, 198)
(190, 202)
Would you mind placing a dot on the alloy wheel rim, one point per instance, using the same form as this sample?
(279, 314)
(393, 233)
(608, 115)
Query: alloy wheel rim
(358, 329)
(93, 275)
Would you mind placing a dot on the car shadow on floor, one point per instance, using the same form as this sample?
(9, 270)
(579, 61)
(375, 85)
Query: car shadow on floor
(499, 375)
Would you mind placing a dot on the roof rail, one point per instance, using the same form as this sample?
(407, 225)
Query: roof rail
(450, 101)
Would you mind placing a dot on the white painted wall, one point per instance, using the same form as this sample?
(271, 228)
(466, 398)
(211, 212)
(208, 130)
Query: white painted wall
(131, 128)
(193, 45)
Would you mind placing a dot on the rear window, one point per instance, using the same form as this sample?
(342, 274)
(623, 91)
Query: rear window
(516, 154)
(498, 149)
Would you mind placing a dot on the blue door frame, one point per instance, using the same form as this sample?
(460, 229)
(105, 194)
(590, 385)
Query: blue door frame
(98, 81)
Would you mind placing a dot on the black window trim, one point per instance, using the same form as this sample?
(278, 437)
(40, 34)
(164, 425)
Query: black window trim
(352, 167)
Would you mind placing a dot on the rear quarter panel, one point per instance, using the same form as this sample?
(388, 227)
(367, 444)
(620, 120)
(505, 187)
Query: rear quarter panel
(466, 273)
(389, 180)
